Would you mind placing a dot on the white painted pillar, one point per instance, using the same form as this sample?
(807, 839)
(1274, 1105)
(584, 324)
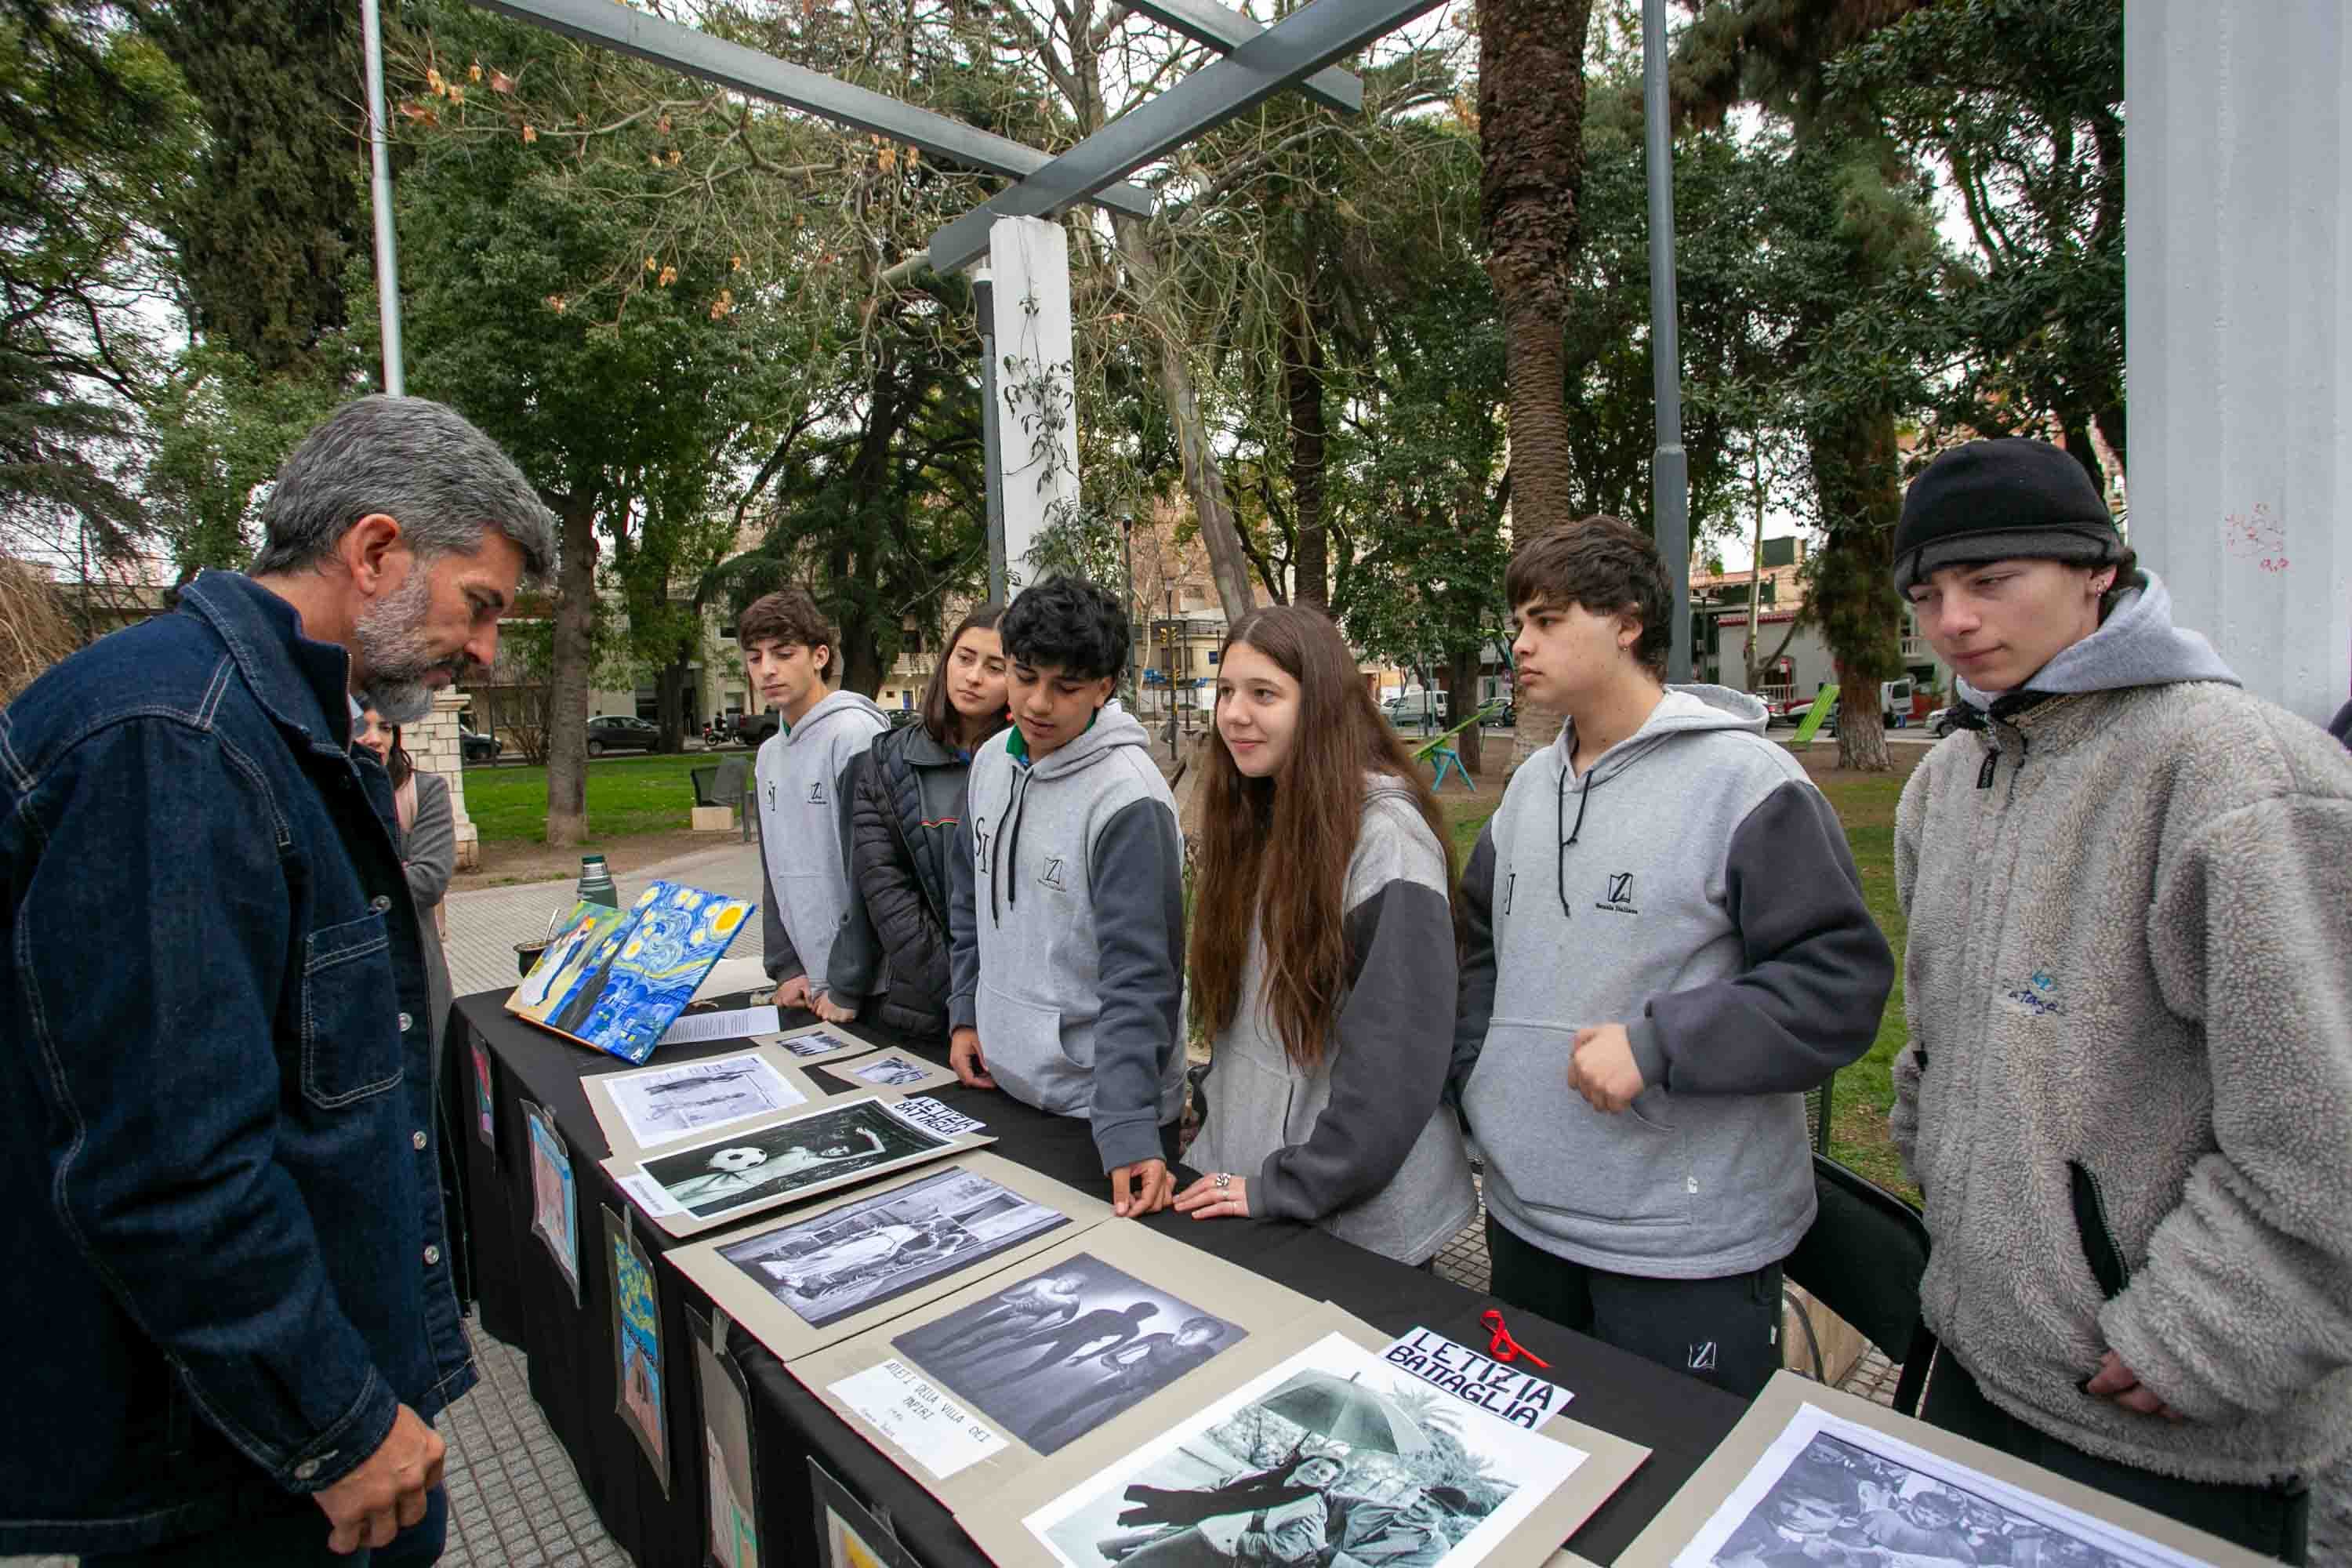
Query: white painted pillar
(2239, 336)
(1029, 266)
(433, 746)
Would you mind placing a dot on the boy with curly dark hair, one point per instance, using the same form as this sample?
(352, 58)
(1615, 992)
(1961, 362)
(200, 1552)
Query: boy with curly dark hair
(1065, 906)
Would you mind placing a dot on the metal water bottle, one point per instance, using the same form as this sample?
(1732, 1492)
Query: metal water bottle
(596, 883)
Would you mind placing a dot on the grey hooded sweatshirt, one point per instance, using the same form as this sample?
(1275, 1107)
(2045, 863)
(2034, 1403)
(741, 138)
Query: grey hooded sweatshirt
(2128, 1096)
(803, 843)
(1695, 886)
(1359, 1146)
(1065, 921)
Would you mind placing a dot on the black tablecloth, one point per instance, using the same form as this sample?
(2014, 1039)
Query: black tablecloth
(525, 1303)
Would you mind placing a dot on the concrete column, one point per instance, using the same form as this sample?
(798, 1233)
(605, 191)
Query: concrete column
(1029, 263)
(433, 743)
(2239, 335)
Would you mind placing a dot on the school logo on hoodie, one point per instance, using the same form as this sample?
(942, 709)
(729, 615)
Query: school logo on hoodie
(1051, 875)
(1617, 894)
(816, 792)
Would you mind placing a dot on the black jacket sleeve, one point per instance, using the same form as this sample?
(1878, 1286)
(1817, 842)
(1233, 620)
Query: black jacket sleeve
(1818, 972)
(1137, 882)
(963, 933)
(887, 884)
(1390, 1065)
(1474, 999)
(852, 970)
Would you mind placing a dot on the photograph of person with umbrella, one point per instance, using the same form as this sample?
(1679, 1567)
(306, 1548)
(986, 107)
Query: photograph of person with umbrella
(1334, 1457)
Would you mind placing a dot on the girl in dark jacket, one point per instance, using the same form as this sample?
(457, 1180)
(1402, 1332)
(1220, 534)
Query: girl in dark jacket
(907, 795)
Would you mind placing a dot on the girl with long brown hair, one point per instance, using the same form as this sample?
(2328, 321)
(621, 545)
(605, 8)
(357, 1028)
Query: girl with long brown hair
(1324, 956)
(906, 795)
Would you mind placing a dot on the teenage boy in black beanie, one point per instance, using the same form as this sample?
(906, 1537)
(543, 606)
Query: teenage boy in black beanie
(2127, 1097)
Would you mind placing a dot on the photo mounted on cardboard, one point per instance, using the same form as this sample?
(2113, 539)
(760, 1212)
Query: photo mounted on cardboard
(659, 1105)
(730, 1466)
(554, 1203)
(1052, 1356)
(1331, 1451)
(638, 1365)
(852, 1536)
(1832, 1491)
(901, 1070)
(485, 1103)
(818, 1041)
(617, 983)
(832, 1141)
(876, 1249)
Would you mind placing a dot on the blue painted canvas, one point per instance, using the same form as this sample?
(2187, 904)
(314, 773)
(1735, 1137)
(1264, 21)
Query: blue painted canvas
(627, 982)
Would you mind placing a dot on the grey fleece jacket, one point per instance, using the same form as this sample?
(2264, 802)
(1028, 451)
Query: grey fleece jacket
(804, 845)
(1065, 923)
(1695, 886)
(1359, 1146)
(2128, 1094)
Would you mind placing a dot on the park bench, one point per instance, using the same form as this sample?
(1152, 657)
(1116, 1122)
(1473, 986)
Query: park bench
(721, 793)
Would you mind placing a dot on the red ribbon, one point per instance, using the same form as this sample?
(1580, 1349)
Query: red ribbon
(1502, 1346)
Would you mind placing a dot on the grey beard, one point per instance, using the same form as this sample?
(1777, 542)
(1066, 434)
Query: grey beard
(393, 649)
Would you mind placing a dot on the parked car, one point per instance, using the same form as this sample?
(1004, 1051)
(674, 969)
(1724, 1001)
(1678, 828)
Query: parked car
(753, 729)
(905, 718)
(1506, 717)
(620, 732)
(1419, 710)
(1944, 721)
(476, 747)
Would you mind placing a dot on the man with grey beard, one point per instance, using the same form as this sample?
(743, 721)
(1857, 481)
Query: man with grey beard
(216, 1129)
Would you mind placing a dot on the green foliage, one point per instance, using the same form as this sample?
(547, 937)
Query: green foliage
(277, 202)
(222, 429)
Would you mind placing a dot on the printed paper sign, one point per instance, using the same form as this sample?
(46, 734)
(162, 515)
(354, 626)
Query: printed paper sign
(1519, 1397)
(924, 1421)
(741, 1024)
(921, 1111)
(648, 1195)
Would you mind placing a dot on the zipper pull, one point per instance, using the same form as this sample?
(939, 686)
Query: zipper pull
(1984, 774)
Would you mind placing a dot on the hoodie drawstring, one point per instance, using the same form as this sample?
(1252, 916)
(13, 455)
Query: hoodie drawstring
(1559, 816)
(1015, 798)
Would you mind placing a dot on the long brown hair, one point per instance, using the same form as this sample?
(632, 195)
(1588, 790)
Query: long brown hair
(1278, 849)
(940, 716)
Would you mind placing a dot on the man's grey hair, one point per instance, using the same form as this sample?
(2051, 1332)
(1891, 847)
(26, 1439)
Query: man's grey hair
(419, 462)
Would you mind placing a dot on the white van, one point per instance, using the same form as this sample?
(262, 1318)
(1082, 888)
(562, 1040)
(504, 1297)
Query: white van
(1420, 708)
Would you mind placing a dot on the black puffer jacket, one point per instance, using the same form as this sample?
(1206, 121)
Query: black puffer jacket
(906, 794)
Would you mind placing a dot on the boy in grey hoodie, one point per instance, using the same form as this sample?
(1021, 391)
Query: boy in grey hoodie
(1667, 947)
(2128, 1096)
(1066, 899)
(789, 653)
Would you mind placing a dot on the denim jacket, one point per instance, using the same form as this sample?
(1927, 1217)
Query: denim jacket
(216, 1116)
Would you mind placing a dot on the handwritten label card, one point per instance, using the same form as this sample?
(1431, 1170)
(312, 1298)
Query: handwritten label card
(921, 1111)
(925, 1420)
(1521, 1398)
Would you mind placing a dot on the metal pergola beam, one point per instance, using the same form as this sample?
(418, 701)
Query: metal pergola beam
(745, 69)
(1206, 22)
(1293, 49)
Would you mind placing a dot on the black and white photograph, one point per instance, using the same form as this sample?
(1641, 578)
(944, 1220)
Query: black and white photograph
(870, 1251)
(1053, 1356)
(892, 1069)
(1333, 1454)
(1833, 1494)
(827, 1143)
(662, 1105)
(821, 1043)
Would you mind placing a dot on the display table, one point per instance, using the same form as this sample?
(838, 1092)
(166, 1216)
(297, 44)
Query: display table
(525, 1303)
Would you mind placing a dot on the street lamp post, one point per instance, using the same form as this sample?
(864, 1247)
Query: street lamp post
(1127, 605)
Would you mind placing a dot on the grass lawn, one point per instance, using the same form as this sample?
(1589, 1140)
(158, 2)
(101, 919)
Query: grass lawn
(1866, 1090)
(626, 796)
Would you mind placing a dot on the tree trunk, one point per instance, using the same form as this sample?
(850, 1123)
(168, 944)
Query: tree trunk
(1755, 580)
(1302, 378)
(1461, 671)
(669, 698)
(1531, 150)
(1862, 727)
(1228, 564)
(570, 655)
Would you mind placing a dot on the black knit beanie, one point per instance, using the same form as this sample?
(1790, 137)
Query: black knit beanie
(1990, 501)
